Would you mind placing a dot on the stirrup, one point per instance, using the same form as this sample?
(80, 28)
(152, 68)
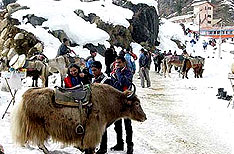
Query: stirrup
(79, 129)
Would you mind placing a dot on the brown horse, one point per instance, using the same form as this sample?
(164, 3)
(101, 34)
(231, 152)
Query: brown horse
(196, 63)
(170, 61)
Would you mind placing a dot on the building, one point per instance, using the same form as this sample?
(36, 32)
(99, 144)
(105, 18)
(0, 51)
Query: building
(203, 13)
(182, 19)
(203, 16)
(224, 33)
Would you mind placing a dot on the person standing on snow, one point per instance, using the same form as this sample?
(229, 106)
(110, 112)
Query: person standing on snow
(130, 63)
(110, 56)
(144, 70)
(122, 80)
(100, 77)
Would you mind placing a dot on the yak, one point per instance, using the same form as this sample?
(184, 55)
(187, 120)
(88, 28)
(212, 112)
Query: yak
(38, 117)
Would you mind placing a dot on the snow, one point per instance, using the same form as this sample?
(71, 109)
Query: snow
(184, 116)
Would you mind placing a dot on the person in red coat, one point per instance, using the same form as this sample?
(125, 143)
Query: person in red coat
(74, 77)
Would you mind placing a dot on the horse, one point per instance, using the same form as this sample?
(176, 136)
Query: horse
(197, 63)
(35, 69)
(170, 61)
(60, 64)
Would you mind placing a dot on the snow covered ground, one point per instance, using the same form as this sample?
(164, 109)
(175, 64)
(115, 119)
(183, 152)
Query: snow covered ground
(184, 116)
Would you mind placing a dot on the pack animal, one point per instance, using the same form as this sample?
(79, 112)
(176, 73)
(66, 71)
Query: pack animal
(196, 63)
(38, 118)
(170, 61)
(61, 63)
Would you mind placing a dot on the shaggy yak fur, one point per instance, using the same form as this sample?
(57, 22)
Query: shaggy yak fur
(37, 118)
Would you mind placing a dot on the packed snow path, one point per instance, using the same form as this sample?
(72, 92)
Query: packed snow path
(180, 120)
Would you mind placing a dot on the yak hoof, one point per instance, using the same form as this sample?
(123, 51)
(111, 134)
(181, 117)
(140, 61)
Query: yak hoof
(43, 148)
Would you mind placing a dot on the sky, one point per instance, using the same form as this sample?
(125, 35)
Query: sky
(215, 73)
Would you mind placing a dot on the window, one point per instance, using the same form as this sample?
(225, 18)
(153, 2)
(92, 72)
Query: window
(214, 32)
(230, 32)
(209, 22)
(209, 16)
(210, 32)
(218, 32)
(209, 8)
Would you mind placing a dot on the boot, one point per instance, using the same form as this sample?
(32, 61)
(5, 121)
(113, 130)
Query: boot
(103, 145)
(221, 95)
(220, 90)
(229, 97)
(118, 147)
(130, 148)
(224, 95)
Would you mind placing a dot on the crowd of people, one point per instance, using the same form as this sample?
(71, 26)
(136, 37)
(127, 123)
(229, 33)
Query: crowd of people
(119, 72)
(120, 69)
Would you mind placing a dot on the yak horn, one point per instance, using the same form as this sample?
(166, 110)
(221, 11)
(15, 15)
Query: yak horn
(133, 92)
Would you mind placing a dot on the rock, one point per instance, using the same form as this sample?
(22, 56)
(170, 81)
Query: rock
(13, 7)
(8, 43)
(100, 48)
(39, 46)
(19, 36)
(10, 7)
(60, 34)
(34, 20)
(11, 53)
(6, 2)
(4, 33)
(5, 52)
(3, 24)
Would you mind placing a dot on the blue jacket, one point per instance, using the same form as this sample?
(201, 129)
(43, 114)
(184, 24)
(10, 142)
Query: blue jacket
(143, 60)
(130, 64)
(89, 62)
(122, 78)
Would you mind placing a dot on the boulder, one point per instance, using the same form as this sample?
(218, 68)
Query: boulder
(3, 24)
(5, 52)
(39, 46)
(11, 53)
(34, 20)
(19, 36)
(8, 43)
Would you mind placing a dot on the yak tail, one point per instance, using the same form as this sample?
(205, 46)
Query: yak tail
(17, 129)
(24, 129)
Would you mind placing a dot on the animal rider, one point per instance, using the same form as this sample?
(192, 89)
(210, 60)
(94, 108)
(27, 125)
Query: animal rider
(75, 76)
(100, 77)
(63, 48)
(122, 79)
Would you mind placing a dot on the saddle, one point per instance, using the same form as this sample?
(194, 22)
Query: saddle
(77, 96)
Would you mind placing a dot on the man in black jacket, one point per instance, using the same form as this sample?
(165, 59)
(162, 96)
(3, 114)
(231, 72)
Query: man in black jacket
(110, 56)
